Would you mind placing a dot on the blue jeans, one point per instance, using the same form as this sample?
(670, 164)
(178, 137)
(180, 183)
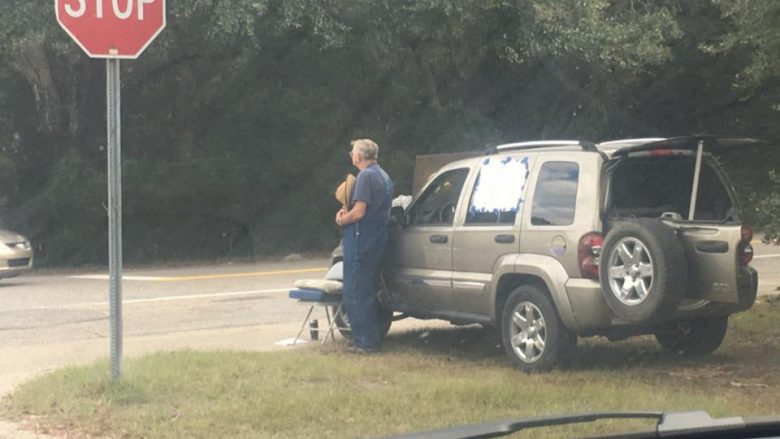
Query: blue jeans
(364, 249)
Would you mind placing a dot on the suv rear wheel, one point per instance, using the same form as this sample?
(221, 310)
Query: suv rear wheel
(643, 270)
(532, 333)
(697, 337)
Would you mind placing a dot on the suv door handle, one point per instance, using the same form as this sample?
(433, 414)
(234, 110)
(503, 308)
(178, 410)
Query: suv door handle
(438, 239)
(504, 239)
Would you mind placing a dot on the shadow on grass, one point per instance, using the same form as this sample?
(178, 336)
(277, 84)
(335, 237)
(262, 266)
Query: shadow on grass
(477, 344)
(468, 343)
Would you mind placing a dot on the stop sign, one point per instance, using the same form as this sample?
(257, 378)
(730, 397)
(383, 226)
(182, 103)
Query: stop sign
(112, 28)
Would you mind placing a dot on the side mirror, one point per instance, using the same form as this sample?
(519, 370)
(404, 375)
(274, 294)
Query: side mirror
(397, 217)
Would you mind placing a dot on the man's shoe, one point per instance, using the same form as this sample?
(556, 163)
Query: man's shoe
(357, 350)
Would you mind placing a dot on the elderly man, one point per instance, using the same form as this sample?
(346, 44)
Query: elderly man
(364, 230)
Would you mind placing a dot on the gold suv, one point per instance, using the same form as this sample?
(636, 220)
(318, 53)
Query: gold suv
(551, 240)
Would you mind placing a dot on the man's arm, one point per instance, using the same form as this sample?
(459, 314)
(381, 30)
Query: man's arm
(354, 215)
(363, 197)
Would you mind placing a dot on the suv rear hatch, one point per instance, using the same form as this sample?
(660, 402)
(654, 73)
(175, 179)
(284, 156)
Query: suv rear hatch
(678, 181)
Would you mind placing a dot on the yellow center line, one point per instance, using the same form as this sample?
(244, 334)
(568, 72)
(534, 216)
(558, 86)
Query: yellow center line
(233, 275)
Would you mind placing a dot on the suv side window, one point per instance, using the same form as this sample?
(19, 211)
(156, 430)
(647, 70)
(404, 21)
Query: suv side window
(555, 197)
(498, 192)
(437, 205)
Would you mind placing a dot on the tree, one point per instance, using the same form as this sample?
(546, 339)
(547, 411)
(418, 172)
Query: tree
(752, 39)
(237, 120)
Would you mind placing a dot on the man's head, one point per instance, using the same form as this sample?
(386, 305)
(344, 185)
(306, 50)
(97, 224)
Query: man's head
(364, 152)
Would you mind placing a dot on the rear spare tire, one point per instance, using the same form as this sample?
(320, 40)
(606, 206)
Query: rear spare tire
(643, 270)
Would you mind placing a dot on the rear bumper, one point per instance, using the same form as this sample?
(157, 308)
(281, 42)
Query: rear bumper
(747, 288)
(592, 313)
(590, 309)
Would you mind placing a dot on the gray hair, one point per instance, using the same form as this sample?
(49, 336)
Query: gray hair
(368, 149)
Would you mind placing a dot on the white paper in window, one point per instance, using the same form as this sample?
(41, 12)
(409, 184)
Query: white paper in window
(501, 185)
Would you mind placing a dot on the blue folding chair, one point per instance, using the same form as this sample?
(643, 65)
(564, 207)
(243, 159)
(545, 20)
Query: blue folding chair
(324, 293)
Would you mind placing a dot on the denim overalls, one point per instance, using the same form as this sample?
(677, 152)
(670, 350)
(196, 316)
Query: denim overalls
(364, 244)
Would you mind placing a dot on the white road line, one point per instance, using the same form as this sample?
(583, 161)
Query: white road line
(124, 277)
(171, 298)
(206, 296)
(766, 256)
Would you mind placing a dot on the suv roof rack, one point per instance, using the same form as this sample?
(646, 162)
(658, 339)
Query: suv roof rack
(538, 144)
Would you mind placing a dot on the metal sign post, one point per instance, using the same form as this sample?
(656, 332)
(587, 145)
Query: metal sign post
(113, 32)
(113, 94)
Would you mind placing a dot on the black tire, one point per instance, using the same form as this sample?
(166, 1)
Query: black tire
(342, 322)
(529, 317)
(568, 347)
(697, 337)
(654, 270)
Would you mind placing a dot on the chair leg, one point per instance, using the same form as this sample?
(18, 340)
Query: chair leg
(327, 314)
(332, 323)
(303, 326)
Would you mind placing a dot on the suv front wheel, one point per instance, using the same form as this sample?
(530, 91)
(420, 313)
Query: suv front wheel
(342, 321)
(532, 333)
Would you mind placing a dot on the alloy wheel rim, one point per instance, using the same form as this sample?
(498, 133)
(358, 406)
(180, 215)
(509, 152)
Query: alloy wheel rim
(630, 271)
(528, 332)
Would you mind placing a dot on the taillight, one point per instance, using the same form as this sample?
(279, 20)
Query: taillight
(588, 254)
(745, 249)
(747, 234)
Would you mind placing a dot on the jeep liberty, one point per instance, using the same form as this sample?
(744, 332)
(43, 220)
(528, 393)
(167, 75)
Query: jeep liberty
(550, 240)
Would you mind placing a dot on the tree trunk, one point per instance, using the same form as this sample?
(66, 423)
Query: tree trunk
(30, 60)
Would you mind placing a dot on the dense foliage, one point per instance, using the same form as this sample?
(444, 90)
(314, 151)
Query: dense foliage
(237, 120)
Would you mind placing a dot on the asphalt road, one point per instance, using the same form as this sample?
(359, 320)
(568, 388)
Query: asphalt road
(51, 308)
(45, 308)
(767, 261)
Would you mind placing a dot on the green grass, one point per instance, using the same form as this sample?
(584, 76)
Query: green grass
(422, 381)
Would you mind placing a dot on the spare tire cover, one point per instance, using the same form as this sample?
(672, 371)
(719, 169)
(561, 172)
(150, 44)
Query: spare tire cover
(643, 270)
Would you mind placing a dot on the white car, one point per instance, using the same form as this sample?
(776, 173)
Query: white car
(16, 255)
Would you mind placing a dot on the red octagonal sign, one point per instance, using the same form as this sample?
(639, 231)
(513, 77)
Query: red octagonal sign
(112, 28)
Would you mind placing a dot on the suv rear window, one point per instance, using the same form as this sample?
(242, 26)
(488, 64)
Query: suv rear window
(555, 198)
(651, 186)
